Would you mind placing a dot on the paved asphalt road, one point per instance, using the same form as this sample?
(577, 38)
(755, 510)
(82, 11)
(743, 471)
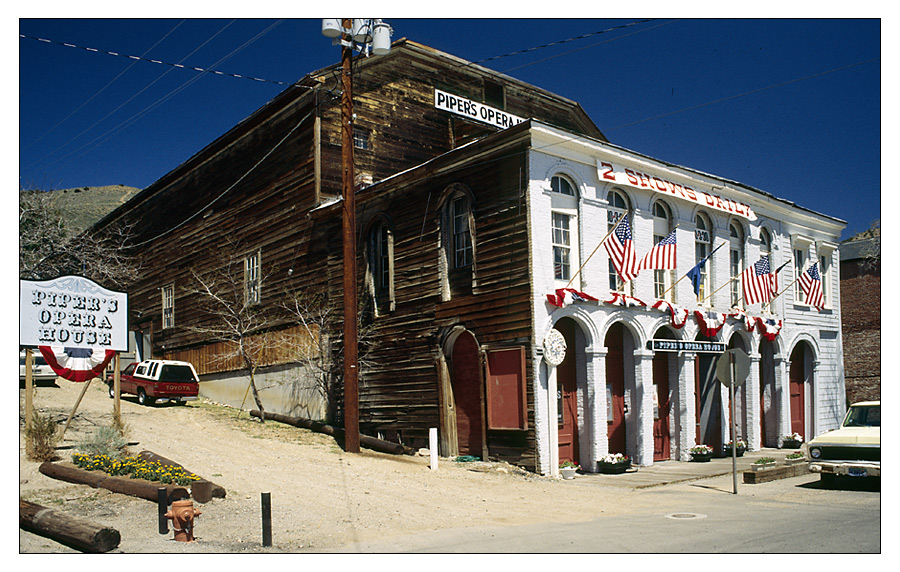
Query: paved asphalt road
(796, 515)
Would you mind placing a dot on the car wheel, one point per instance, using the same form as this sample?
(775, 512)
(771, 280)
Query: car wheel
(143, 399)
(112, 391)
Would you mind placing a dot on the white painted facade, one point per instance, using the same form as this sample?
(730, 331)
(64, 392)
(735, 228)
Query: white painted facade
(791, 228)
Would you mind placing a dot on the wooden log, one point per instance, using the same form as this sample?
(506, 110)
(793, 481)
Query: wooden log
(132, 487)
(373, 443)
(65, 529)
(216, 491)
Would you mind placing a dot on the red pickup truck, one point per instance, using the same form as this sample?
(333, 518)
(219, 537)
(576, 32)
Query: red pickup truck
(154, 379)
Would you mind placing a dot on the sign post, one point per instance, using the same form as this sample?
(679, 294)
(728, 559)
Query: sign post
(732, 369)
(76, 324)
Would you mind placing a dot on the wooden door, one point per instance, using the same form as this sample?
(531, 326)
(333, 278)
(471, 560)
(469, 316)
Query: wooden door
(662, 406)
(567, 396)
(466, 383)
(798, 392)
(708, 402)
(615, 391)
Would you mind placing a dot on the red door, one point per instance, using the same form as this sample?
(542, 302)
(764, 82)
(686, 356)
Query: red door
(797, 391)
(567, 396)
(615, 390)
(661, 407)
(466, 383)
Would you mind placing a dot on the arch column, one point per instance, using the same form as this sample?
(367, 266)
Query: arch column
(754, 411)
(782, 397)
(643, 403)
(687, 410)
(596, 444)
(541, 411)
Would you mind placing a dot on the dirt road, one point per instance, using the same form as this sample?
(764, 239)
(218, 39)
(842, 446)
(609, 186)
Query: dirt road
(322, 497)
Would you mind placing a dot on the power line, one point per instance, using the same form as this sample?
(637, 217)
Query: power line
(152, 61)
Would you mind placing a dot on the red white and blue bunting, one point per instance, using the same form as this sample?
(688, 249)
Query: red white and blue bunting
(710, 323)
(76, 364)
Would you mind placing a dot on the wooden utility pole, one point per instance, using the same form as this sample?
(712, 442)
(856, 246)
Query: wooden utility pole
(351, 369)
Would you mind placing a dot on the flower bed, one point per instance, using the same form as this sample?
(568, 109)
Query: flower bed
(613, 464)
(135, 468)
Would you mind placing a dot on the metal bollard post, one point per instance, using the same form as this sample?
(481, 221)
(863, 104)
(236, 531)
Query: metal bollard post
(266, 519)
(162, 505)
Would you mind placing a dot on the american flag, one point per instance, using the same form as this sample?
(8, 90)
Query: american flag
(811, 283)
(661, 256)
(621, 250)
(759, 282)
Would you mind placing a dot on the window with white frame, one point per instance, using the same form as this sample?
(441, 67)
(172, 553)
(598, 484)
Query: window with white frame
(564, 228)
(252, 280)
(616, 208)
(702, 247)
(826, 254)
(801, 248)
(662, 227)
(168, 306)
(736, 261)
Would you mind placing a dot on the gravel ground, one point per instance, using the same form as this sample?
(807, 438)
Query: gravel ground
(322, 498)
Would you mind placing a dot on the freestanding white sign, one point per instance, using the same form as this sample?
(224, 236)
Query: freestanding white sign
(72, 312)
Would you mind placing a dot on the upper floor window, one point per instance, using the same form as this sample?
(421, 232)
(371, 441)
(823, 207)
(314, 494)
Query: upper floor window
(560, 184)
(617, 207)
(252, 280)
(564, 228)
(765, 244)
(361, 138)
(380, 266)
(736, 260)
(702, 248)
(562, 243)
(662, 226)
(462, 234)
(168, 306)
(494, 94)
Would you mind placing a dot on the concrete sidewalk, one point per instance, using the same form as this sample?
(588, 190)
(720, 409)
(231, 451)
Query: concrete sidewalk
(667, 472)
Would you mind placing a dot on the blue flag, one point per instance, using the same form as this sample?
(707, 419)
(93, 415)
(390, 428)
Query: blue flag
(694, 275)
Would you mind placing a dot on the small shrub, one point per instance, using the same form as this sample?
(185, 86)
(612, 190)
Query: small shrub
(764, 461)
(106, 441)
(42, 435)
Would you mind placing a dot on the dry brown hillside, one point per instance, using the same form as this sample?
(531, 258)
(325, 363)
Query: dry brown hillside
(83, 206)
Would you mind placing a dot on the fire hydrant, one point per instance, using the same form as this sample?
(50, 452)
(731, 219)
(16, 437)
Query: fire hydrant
(182, 515)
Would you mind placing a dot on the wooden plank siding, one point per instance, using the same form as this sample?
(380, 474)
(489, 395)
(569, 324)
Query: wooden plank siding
(271, 185)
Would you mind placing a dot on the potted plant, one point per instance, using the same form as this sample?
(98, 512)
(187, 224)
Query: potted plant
(613, 464)
(741, 447)
(701, 453)
(795, 458)
(763, 463)
(792, 441)
(567, 469)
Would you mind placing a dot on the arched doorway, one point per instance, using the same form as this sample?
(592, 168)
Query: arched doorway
(615, 388)
(800, 376)
(708, 395)
(567, 394)
(465, 382)
(768, 402)
(662, 400)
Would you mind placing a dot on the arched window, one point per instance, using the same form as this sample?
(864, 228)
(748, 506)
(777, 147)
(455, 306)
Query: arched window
(562, 185)
(380, 266)
(765, 244)
(662, 226)
(564, 229)
(736, 260)
(702, 248)
(457, 243)
(617, 207)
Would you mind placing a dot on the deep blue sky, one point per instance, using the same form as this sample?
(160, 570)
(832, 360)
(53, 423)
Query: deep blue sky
(789, 106)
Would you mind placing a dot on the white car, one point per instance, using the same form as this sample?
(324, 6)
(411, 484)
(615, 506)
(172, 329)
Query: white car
(41, 372)
(854, 449)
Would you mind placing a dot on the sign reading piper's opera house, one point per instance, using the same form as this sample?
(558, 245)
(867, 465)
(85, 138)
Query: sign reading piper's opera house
(474, 110)
(72, 312)
(608, 171)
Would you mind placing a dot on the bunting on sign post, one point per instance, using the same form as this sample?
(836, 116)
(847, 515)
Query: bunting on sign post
(77, 364)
